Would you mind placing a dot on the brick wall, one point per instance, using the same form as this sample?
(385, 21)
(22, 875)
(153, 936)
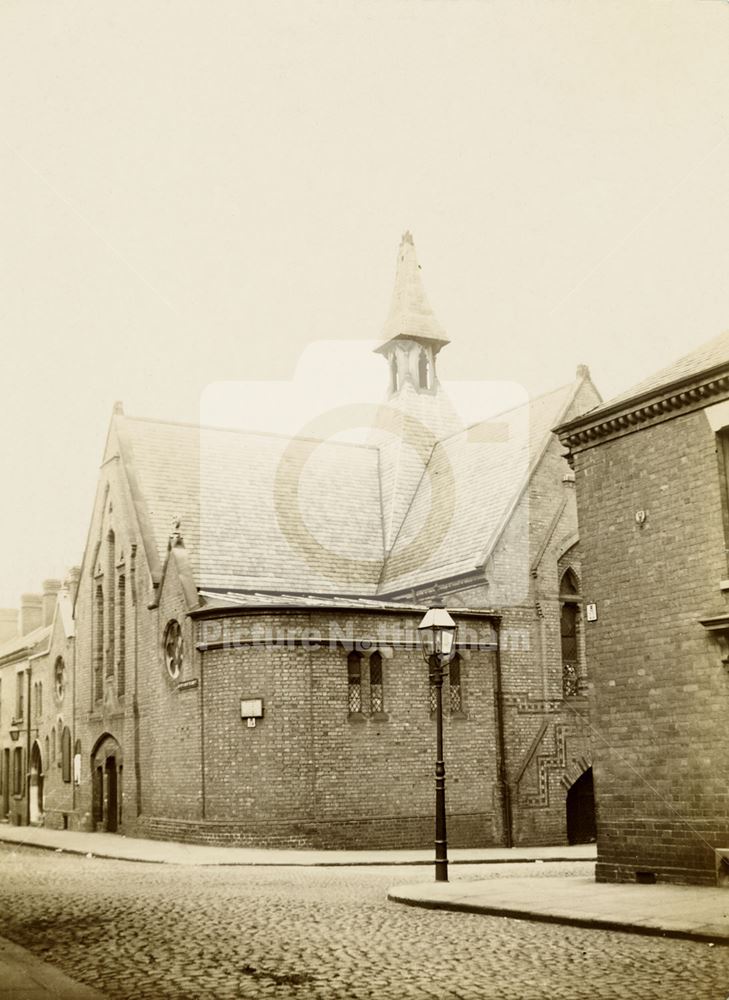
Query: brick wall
(659, 691)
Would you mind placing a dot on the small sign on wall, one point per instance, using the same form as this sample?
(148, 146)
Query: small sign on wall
(251, 708)
(591, 611)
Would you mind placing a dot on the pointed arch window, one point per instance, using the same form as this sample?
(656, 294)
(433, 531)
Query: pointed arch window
(394, 377)
(453, 693)
(59, 678)
(66, 754)
(354, 680)
(377, 692)
(568, 626)
(122, 600)
(99, 643)
(425, 374)
(111, 591)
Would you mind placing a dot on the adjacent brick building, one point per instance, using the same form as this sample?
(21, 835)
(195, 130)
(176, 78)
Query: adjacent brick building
(246, 669)
(651, 474)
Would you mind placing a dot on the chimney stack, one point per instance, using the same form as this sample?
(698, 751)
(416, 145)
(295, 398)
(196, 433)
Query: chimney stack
(8, 624)
(71, 582)
(31, 612)
(50, 596)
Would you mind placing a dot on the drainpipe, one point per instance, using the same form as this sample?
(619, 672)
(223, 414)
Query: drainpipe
(27, 759)
(504, 790)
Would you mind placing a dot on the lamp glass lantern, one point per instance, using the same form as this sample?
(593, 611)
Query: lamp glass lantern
(438, 635)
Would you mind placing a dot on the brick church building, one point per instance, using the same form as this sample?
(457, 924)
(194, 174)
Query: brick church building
(244, 668)
(651, 470)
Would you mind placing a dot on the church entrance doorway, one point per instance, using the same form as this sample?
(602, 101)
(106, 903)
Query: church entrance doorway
(107, 764)
(36, 785)
(581, 826)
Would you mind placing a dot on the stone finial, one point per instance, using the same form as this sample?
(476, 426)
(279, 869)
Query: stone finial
(118, 408)
(583, 371)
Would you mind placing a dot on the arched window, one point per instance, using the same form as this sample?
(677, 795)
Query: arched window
(377, 696)
(77, 762)
(53, 745)
(568, 584)
(99, 644)
(455, 694)
(59, 678)
(394, 378)
(354, 679)
(66, 754)
(121, 673)
(568, 636)
(47, 757)
(110, 571)
(424, 370)
(39, 701)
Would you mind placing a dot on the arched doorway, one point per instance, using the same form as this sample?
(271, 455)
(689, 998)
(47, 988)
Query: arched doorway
(581, 827)
(36, 784)
(107, 764)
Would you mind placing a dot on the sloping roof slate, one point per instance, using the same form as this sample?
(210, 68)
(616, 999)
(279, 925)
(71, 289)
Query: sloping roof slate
(709, 355)
(28, 644)
(472, 481)
(260, 512)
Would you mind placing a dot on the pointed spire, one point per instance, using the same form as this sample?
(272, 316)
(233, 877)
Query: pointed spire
(410, 314)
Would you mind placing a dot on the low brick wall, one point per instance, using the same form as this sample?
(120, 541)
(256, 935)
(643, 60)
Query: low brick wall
(469, 830)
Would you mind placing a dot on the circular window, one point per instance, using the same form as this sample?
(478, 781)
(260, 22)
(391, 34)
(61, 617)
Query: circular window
(59, 678)
(172, 645)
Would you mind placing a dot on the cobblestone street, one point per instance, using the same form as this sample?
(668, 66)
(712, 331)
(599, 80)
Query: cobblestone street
(148, 931)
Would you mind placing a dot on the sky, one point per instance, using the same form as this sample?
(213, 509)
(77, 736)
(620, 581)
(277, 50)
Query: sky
(194, 194)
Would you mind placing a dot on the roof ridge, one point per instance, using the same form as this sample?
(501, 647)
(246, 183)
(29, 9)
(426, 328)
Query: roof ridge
(249, 432)
(510, 409)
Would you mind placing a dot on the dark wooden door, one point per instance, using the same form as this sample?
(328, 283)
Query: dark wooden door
(112, 804)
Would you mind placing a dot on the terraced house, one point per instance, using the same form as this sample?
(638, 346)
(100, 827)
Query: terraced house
(246, 668)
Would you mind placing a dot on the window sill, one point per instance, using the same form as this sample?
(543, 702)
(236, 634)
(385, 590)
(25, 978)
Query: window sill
(356, 717)
(380, 717)
(459, 715)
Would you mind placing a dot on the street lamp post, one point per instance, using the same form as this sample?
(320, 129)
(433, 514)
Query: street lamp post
(438, 639)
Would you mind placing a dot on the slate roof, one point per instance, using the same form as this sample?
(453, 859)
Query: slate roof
(712, 354)
(26, 645)
(260, 512)
(472, 481)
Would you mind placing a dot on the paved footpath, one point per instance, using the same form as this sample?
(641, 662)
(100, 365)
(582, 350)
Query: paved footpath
(700, 913)
(23, 976)
(111, 845)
